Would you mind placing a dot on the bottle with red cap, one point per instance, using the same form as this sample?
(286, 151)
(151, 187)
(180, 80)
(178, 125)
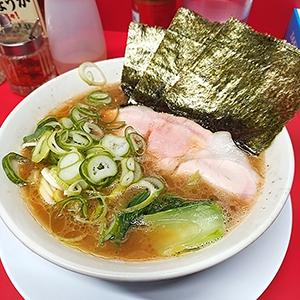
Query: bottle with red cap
(153, 12)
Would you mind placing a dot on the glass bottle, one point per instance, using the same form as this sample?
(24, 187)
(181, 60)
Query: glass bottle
(25, 57)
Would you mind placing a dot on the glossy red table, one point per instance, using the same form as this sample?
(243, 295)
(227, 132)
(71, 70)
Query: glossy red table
(268, 16)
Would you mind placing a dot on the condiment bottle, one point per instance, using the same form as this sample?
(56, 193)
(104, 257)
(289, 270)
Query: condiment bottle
(75, 33)
(25, 57)
(23, 11)
(153, 12)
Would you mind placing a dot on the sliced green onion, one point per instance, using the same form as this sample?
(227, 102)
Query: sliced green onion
(97, 215)
(154, 185)
(116, 125)
(136, 141)
(50, 120)
(47, 123)
(96, 168)
(108, 232)
(131, 171)
(69, 139)
(99, 149)
(67, 201)
(91, 74)
(77, 115)
(130, 163)
(68, 167)
(66, 123)
(52, 144)
(7, 165)
(76, 188)
(94, 130)
(70, 174)
(195, 178)
(38, 132)
(53, 157)
(99, 98)
(69, 159)
(41, 150)
(117, 145)
(58, 195)
(86, 110)
(127, 178)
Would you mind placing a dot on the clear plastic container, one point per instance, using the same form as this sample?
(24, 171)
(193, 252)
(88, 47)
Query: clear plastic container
(75, 33)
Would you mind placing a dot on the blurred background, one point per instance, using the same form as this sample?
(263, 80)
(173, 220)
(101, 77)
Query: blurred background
(271, 16)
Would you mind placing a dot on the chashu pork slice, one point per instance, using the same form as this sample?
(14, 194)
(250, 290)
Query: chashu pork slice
(183, 147)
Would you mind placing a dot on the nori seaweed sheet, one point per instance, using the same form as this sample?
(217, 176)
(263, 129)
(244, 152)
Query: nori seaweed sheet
(187, 19)
(224, 77)
(177, 51)
(142, 43)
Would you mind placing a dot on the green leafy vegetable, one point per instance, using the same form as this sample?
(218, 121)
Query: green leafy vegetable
(186, 227)
(154, 185)
(128, 220)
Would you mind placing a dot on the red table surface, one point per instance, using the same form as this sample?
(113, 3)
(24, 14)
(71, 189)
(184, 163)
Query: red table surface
(267, 16)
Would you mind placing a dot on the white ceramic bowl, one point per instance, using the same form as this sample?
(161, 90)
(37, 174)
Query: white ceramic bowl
(23, 119)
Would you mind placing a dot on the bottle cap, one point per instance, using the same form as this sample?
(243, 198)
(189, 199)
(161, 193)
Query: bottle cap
(22, 39)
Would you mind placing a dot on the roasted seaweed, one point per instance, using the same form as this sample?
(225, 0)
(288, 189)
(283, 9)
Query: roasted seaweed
(177, 51)
(142, 43)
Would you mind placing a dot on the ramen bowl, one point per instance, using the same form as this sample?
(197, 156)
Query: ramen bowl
(14, 213)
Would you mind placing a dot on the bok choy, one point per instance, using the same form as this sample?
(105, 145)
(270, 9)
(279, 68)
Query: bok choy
(181, 226)
(186, 227)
